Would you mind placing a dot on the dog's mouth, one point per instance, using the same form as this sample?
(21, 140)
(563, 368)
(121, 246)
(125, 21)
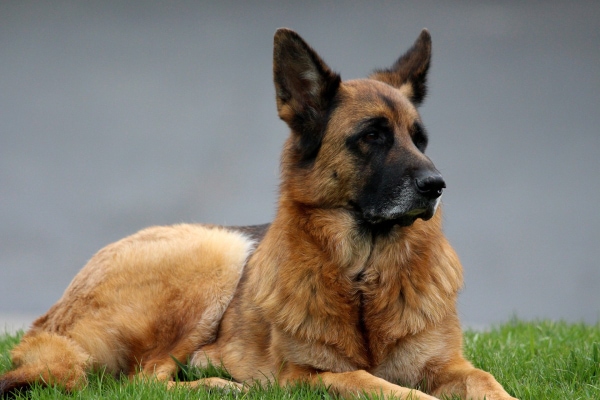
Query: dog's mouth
(406, 219)
(409, 218)
(390, 219)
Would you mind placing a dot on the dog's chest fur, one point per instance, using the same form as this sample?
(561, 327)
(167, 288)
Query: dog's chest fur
(345, 304)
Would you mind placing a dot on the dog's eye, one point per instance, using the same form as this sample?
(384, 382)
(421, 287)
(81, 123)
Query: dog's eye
(421, 144)
(371, 134)
(374, 137)
(419, 136)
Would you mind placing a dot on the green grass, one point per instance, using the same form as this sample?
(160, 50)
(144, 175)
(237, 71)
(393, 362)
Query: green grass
(540, 360)
(533, 360)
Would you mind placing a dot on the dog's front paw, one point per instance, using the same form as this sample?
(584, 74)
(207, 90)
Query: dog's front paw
(210, 383)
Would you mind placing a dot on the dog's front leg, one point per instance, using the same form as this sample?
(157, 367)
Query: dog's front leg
(208, 383)
(356, 383)
(468, 382)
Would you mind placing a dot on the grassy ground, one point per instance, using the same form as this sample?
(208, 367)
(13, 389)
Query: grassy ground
(533, 360)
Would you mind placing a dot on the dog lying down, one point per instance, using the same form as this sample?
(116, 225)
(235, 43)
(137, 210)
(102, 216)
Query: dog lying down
(353, 286)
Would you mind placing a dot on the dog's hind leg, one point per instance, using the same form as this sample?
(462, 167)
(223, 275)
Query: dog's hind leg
(166, 371)
(48, 359)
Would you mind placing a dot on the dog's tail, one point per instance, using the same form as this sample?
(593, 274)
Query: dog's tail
(47, 359)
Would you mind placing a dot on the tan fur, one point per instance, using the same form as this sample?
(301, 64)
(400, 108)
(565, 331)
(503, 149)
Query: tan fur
(326, 298)
(37, 352)
(156, 294)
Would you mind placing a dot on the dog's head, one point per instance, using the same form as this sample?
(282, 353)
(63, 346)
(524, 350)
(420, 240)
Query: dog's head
(358, 144)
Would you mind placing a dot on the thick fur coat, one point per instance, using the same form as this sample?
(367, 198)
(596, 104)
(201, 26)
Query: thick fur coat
(353, 285)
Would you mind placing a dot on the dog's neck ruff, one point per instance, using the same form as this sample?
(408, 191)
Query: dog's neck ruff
(412, 266)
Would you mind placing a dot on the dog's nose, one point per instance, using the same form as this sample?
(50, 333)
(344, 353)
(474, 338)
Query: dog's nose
(430, 185)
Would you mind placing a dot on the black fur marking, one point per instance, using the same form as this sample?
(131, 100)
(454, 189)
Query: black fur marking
(380, 228)
(412, 68)
(310, 138)
(255, 232)
(10, 388)
(419, 136)
(391, 104)
(306, 84)
(372, 135)
(414, 65)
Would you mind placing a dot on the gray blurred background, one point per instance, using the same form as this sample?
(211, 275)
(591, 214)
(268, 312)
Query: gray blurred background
(119, 115)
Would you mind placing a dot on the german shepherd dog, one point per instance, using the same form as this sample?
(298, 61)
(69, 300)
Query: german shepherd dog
(352, 287)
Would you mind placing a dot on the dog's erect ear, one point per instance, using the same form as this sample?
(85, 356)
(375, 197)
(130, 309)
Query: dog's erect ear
(409, 72)
(304, 88)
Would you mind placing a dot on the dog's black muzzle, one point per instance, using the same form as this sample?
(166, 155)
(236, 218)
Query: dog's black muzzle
(413, 197)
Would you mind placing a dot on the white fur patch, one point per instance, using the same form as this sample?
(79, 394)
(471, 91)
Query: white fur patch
(437, 203)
